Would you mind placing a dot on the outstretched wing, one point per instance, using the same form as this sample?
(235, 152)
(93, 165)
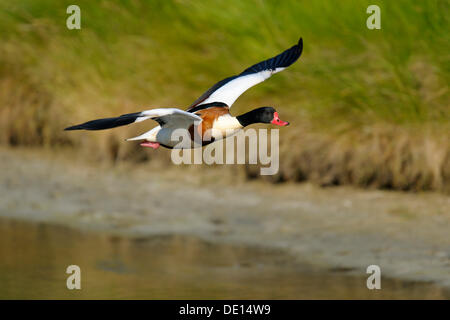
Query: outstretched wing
(229, 89)
(165, 117)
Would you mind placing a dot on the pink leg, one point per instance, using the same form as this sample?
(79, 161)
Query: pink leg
(154, 145)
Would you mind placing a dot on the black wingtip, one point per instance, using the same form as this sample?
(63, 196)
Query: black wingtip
(106, 123)
(300, 46)
(77, 127)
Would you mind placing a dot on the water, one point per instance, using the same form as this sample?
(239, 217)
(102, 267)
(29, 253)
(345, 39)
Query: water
(34, 258)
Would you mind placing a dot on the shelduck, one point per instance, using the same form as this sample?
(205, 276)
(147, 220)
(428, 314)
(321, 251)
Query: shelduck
(210, 113)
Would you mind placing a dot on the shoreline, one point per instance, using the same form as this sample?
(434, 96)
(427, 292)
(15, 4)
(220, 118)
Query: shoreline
(340, 228)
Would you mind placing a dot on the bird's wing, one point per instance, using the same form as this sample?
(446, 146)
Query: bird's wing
(165, 117)
(229, 89)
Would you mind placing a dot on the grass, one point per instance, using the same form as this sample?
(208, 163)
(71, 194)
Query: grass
(369, 107)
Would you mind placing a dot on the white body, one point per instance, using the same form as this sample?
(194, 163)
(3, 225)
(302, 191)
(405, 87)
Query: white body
(172, 133)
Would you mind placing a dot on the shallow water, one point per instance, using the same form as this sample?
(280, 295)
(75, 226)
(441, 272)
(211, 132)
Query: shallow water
(34, 258)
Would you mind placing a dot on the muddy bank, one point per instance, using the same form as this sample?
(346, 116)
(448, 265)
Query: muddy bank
(341, 228)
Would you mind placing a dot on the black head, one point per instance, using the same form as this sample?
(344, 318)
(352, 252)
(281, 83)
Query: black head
(261, 115)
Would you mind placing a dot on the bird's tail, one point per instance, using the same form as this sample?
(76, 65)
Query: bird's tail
(149, 135)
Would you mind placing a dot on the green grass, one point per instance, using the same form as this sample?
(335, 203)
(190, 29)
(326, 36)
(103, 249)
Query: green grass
(131, 55)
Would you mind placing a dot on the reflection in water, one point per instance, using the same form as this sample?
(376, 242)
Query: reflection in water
(34, 258)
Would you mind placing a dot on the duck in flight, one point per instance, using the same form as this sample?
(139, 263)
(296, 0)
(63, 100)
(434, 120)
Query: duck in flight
(209, 116)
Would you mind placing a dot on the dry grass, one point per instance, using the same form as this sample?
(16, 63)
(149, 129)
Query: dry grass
(381, 157)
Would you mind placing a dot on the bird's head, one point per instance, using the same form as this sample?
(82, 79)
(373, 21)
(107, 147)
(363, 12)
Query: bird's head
(262, 115)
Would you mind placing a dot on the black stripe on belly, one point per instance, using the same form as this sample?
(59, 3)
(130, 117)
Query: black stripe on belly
(207, 105)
